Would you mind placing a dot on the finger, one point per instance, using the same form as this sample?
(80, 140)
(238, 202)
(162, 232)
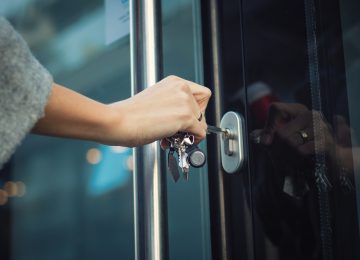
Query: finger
(299, 138)
(303, 121)
(201, 94)
(204, 126)
(195, 87)
(198, 113)
(279, 114)
(197, 129)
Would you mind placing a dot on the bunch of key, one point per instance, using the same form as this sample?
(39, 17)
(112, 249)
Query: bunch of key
(187, 153)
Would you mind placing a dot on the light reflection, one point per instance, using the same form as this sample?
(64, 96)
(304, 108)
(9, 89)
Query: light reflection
(11, 188)
(130, 163)
(112, 172)
(3, 197)
(118, 149)
(21, 188)
(93, 156)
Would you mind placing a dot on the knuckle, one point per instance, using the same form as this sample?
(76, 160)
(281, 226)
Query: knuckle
(172, 77)
(186, 115)
(184, 87)
(208, 92)
(184, 97)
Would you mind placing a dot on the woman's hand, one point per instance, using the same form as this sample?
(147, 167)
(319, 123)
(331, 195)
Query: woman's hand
(160, 111)
(171, 105)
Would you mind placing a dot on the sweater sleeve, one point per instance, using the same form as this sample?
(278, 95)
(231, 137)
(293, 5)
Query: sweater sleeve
(24, 89)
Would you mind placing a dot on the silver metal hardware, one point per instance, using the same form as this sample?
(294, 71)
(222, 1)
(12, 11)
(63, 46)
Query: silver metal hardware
(196, 158)
(188, 154)
(151, 234)
(232, 145)
(216, 130)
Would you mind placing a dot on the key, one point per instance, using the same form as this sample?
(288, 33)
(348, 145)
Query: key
(172, 161)
(187, 141)
(217, 130)
(226, 136)
(183, 164)
(172, 164)
(188, 154)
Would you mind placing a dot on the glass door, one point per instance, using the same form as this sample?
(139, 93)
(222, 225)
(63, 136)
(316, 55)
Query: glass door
(187, 201)
(171, 219)
(303, 163)
(291, 68)
(66, 199)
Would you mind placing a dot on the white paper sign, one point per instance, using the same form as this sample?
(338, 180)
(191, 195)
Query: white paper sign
(116, 19)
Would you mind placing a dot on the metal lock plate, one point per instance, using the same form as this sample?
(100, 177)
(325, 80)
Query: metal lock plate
(232, 143)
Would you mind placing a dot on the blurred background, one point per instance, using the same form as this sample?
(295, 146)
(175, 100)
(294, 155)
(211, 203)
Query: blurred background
(68, 199)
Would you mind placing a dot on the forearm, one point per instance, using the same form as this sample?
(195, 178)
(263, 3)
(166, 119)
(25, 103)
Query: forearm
(70, 114)
(162, 110)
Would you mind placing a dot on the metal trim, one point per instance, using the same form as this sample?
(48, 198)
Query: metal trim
(150, 212)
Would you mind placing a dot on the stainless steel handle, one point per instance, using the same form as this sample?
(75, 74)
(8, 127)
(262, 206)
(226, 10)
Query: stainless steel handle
(149, 184)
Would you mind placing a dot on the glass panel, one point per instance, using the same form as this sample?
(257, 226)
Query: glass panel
(304, 149)
(351, 36)
(66, 199)
(188, 210)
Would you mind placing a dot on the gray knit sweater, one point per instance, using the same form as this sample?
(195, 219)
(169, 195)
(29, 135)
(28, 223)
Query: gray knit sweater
(24, 89)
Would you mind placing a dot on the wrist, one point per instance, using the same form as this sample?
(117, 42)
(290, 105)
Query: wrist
(112, 126)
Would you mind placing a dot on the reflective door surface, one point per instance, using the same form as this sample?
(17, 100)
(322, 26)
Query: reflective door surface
(291, 67)
(68, 199)
(187, 201)
(301, 57)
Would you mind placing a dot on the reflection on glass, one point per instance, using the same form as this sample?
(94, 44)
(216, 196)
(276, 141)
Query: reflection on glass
(303, 116)
(111, 170)
(351, 35)
(188, 209)
(69, 199)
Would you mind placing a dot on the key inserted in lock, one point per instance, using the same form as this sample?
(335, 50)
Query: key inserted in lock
(225, 135)
(232, 144)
